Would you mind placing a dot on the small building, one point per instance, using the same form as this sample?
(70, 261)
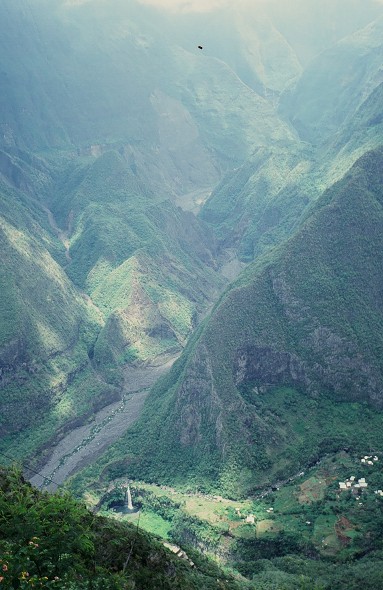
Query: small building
(342, 485)
(250, 519)
(352, 478)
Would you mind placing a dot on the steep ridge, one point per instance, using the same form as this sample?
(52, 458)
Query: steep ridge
(258, 205)
(263, 201)
(301, 330)
(362, 132)
(47, 329)
(349, 71)
(103, 120)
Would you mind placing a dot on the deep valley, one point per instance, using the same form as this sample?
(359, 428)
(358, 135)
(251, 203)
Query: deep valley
(191, 309)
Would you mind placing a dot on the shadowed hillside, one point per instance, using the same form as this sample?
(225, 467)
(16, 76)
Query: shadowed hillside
(309, 319)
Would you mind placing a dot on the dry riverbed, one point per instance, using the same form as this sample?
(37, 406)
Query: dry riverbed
(84, 444)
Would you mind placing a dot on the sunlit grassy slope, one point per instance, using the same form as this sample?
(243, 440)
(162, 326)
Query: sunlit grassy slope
(46, 331)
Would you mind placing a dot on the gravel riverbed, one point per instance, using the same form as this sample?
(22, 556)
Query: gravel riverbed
(83, 445)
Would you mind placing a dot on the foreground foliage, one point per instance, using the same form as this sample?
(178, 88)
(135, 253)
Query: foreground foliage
(52, 541)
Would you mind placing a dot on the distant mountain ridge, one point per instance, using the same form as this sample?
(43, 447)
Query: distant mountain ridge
(104, 123)
(113, 129)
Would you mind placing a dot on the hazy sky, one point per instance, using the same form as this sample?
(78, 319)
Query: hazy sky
(178, 5)
(187, 5)
(197, 5)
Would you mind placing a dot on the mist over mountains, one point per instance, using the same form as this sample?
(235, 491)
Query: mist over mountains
(218, 210)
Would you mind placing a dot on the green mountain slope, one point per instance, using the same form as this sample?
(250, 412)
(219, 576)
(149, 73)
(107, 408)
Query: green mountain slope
(335, 84)
(308, 319)
(361, 133)
(258, 205)
(263, 201)
(47, 330)
(148, 266)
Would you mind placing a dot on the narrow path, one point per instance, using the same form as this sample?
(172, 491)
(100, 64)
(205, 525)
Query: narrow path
(85, 444)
